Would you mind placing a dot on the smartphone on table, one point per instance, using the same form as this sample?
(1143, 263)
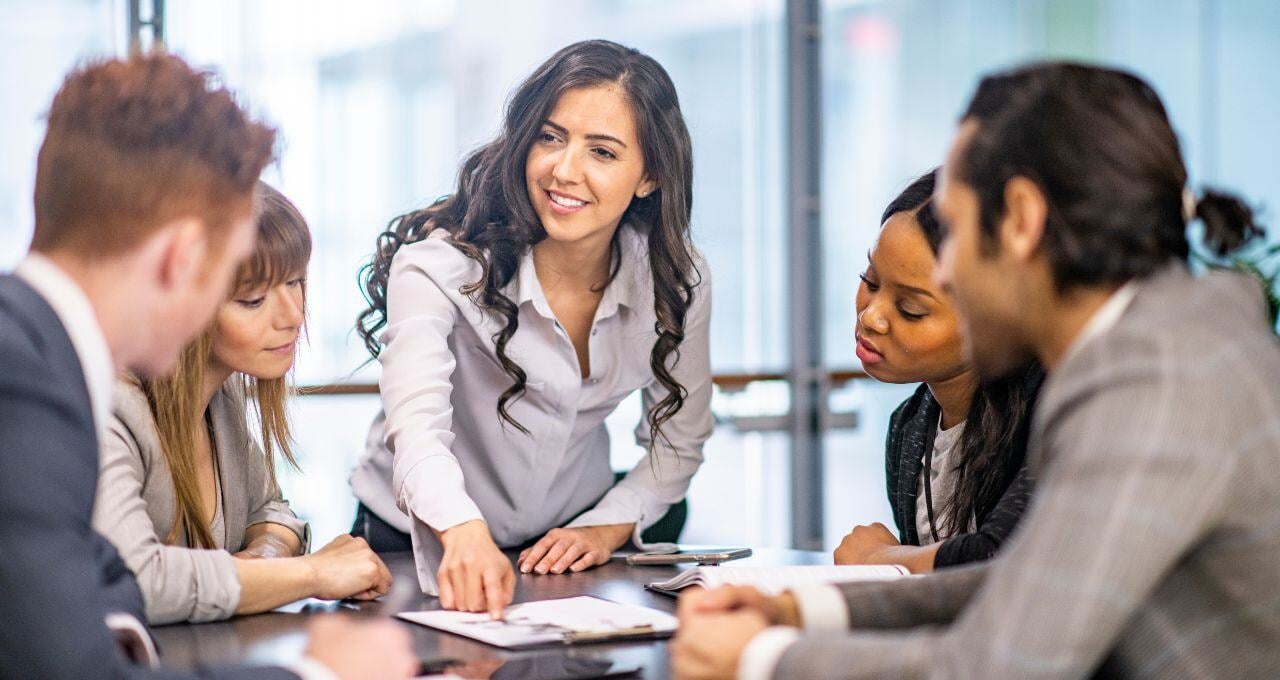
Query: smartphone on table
(700, 556)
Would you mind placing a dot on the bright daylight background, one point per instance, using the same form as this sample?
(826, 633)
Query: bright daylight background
(377, 101)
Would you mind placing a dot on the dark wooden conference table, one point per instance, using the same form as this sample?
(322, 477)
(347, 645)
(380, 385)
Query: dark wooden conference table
(280, 636)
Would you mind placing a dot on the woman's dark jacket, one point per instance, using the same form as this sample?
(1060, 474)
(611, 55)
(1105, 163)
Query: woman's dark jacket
(912, 429)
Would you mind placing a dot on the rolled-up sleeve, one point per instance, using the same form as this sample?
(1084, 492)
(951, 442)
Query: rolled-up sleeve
(177, 583)
(270, 507)
(417, 365)
(661, 478)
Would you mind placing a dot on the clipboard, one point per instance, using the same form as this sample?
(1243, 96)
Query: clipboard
(567, 621)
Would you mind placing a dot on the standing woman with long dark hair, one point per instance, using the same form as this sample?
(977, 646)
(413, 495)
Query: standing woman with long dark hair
(513, 316)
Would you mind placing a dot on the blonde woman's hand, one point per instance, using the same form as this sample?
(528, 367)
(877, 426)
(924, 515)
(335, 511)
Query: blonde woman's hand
(347, 568)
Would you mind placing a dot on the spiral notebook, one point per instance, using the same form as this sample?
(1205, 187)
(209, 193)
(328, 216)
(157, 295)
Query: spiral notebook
(774, 580)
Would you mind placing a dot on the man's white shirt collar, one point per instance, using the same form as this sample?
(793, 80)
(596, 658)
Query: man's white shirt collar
(72, 307)
(1105, 318)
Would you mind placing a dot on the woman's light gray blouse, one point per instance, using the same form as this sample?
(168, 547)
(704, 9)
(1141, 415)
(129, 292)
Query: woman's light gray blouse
(439, 452)
(136, 504)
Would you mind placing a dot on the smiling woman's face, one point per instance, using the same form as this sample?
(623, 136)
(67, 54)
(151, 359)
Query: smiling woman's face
(257, 330)
(907, 329)
(586, 165)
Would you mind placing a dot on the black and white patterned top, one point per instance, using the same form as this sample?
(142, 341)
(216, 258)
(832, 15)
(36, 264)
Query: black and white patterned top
(912, 430)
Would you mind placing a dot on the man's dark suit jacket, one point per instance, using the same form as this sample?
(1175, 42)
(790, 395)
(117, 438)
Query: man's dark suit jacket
(58, 578)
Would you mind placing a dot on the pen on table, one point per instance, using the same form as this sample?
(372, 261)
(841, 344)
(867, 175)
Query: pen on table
(595, 636)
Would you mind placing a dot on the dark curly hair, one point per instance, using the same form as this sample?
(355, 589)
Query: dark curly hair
(491, 220)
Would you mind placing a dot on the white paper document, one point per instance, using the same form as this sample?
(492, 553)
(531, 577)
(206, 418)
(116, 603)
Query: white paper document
(774, 580)
(568, 620)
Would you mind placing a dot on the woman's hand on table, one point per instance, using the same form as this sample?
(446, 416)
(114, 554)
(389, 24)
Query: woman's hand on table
(865, 544)
(347, 567)
(574, 549)
(474, 575)
(875, 544)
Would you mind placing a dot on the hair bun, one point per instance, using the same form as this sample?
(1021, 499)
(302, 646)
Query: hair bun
(1228, 220)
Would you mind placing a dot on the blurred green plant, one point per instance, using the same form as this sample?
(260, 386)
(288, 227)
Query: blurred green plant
(1261, 261)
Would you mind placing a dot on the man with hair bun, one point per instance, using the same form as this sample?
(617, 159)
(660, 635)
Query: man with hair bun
(1152, 547)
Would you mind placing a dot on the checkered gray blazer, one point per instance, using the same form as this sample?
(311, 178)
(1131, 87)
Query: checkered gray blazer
(1151, 548)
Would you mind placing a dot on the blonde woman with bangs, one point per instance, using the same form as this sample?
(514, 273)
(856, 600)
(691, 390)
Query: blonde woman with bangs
(186, 493)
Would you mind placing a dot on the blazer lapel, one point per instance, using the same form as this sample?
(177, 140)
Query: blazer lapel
(43, 323)
(917, 438)
(226, 423)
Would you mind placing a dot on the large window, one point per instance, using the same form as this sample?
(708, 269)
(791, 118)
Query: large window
(378, 102)
(40, 40)
(896, 75)
(377, 107)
